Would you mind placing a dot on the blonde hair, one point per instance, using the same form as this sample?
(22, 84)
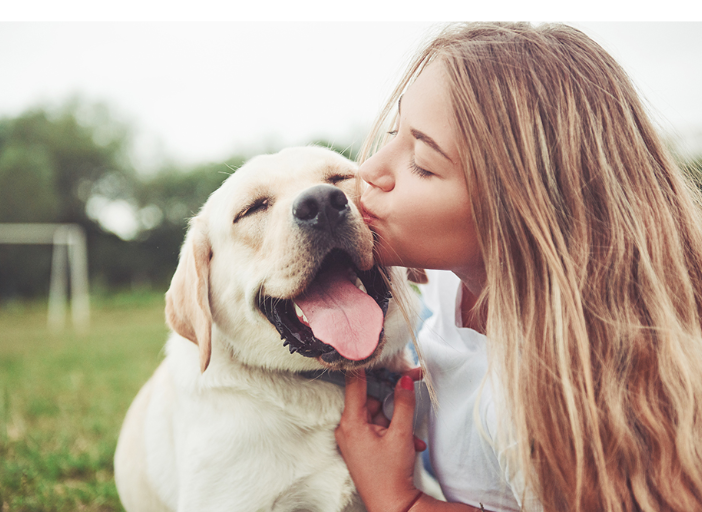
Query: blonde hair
(592, 242)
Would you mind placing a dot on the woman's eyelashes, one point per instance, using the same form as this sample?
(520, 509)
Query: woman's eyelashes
(422, 173)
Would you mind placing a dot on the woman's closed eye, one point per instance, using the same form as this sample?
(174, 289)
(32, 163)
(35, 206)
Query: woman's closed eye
(422, 173)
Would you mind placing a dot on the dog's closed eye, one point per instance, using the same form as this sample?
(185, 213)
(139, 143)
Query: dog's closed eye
(336, 178)
(258, 205)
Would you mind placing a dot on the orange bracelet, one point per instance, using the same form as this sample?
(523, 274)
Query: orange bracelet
(413, 502)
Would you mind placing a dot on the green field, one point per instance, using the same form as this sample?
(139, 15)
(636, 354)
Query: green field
(63, 397)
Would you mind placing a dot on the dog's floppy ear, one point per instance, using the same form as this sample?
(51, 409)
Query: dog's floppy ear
(417, 275)
(187, 300)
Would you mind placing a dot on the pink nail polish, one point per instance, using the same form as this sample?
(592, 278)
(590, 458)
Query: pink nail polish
(406, 383)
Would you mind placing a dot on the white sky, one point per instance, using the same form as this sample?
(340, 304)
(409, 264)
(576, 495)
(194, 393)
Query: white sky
(196, 92)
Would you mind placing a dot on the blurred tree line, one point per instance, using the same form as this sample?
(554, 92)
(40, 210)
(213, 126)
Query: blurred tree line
(62, 166)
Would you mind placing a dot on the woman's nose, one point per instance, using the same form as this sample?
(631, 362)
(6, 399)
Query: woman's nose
(376, 172)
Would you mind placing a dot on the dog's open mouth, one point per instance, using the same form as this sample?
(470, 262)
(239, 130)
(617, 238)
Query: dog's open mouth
(339, 315)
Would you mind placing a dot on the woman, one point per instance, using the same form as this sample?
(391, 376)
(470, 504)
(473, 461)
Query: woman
(522, 161)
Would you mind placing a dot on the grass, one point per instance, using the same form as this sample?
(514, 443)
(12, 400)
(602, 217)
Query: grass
(63, 397)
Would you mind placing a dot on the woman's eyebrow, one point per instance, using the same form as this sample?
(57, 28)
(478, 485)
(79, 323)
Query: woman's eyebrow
(423, 136)
(429, 142)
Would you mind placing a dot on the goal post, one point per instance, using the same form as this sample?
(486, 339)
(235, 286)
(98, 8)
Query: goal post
(69, 251)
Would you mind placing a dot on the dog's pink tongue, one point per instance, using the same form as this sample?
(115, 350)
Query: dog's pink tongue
(341, 315)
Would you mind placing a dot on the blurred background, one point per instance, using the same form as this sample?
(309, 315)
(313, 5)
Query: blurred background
(125, 129)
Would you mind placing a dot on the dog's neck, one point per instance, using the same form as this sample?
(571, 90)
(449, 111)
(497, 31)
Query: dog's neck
(379, 383)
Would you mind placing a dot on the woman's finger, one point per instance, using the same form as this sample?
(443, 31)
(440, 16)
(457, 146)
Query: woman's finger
(355, 399)
(403, 413)
(380, 419)
(415, 373)
(374, 405)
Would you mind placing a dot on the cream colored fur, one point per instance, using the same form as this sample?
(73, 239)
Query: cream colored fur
(226, 423)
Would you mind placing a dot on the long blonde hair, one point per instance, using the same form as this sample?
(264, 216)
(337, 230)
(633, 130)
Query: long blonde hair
(592, 242)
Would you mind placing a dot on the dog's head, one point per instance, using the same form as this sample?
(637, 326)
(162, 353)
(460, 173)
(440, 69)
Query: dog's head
(279, 265)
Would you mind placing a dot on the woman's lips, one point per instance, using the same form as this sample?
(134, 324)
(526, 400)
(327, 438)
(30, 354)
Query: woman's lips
(368, 217)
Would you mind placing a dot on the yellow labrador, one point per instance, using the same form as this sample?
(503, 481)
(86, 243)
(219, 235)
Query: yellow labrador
(275, 279)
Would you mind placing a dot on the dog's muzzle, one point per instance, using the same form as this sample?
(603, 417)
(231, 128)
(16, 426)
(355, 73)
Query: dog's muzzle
(340, 313)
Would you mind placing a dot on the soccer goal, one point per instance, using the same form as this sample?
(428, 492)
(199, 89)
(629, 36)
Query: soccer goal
(69, 252)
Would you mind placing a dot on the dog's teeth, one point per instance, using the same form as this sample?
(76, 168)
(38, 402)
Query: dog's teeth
(300, 315)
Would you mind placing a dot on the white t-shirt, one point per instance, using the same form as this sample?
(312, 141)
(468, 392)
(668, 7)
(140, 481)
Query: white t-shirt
(470, 468)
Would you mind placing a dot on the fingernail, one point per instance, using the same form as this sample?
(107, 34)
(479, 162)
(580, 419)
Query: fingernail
(406, 383)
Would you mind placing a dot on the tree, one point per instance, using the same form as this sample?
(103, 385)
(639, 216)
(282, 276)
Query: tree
(56, 163)
(51, 162)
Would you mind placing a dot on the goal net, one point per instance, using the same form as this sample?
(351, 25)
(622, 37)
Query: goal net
(69, 260)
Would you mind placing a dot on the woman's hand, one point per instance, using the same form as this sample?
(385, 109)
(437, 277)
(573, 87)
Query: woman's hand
(380, 457)
(380, 454)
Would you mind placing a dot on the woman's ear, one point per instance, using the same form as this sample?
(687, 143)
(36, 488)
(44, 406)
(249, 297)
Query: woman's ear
(187, 300)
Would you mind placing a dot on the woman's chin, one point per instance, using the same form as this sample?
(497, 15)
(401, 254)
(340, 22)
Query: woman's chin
(382, 258)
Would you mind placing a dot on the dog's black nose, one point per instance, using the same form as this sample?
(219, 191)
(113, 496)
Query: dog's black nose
(321, 207)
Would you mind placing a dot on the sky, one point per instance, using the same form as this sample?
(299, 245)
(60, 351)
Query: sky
(201, 92)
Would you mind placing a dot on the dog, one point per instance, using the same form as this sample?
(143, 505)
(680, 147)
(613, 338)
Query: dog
(275, 282)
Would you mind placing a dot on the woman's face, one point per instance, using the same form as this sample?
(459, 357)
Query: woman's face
(417, 201)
